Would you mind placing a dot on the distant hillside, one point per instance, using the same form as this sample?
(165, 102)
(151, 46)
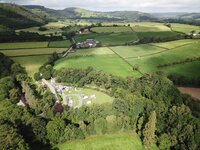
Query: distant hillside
(190, 16)
(79, 13)
(168, 14)
(15, 16)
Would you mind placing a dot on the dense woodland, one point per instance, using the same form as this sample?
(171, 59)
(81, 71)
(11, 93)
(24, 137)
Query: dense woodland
(150, 106)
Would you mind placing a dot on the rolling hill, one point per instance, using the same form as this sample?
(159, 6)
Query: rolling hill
(79, 13)
(15, 16)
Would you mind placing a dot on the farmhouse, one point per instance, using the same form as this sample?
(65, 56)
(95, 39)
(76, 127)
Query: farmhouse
(89, 43)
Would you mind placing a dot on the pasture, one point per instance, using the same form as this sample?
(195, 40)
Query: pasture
(31, 52)
(109, 39)
(184, 28)
(111, 29)
(59, 44)
(31, 63)
(163, 34)
(149, 63)
(23, 45)
(107, 62)
(118, 141)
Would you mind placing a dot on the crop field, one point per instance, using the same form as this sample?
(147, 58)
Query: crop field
(110, 39)
(59, 44)
(111, 29)
(184, 28)
(29, 52)
(174, 44)
(105, 61)
(31, 63)
(20, 45)
(119, 141)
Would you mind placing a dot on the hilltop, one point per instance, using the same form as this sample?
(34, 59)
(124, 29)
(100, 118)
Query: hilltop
(15, 16)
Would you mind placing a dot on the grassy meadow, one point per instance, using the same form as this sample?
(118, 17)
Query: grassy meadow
(99, 58)
(109, 39)
(31, 52)
(119, 141)
(59, 44)
(111, 29)
(31, 63)
(23, 45)
(184, 28)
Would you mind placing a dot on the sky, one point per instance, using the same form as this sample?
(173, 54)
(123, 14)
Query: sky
(111, 5)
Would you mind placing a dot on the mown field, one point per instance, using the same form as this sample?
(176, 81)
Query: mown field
(59, 44)
(99, 58)
(120, 141)
(101, 97)
(109, 39)
(184, 28)
(111, 29)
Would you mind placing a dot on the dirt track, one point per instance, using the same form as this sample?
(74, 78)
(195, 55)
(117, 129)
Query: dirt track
(194, 92)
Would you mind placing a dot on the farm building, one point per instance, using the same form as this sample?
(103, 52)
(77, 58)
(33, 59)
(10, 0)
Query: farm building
(89, 43)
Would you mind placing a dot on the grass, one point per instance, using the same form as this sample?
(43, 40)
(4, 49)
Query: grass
(162, 34)
(101, 97)
(174, 44)
(120, 141)
(109, 39)
(20, 45)
(150, 27)
(111, 29)
(31, 63)
(184, 28)
(60, 44)
(149, 64)
(136, 51)
(109, 63)
(28, 52)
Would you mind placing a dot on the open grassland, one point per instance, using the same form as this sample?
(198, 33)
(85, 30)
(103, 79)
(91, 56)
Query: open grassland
(109, 39)
(149, 63)
(163, 34)
(184, 28)
(20, 45)
(136, 51)
(108, 62)
(111, 29)
(31, 63)
(174, 44)
(120, 141)
(59, 44)
(29, 52)
(101, 97)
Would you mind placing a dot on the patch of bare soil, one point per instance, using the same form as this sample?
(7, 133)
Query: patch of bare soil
(194, 92)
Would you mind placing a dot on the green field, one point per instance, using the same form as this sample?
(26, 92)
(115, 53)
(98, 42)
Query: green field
(120, 141)
(109, 39)
(174, 44)
(149, 63)
(111, 29)
(163, 34)
(136, 51)
(59, 44)
(149, 27)
(29, 52)
(101, 97)
(107, 62)
(20, 45)
(31, 63)
(184, 28)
